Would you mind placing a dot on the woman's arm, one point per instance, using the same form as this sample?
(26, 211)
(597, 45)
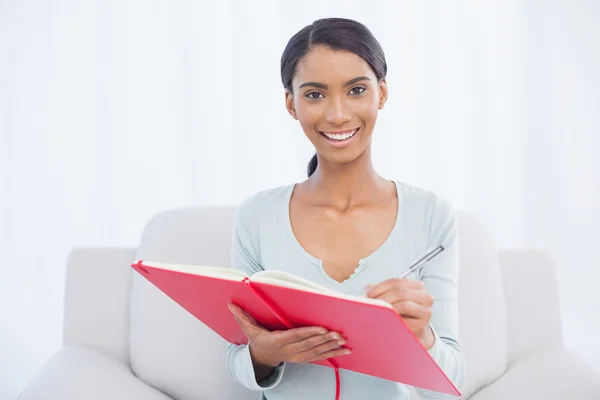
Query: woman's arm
(440, 277)
(429, 305)
(244, 257)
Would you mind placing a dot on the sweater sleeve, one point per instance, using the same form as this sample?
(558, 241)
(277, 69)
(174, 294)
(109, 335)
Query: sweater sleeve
(244, 257)
(440, 277)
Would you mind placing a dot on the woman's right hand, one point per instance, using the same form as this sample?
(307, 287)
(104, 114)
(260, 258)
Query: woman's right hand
(297, 345)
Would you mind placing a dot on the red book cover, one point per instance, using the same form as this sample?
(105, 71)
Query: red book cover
(381, 344)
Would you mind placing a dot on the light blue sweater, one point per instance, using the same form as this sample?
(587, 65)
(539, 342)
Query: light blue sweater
(263, 240)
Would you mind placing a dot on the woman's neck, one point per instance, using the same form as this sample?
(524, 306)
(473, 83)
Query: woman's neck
(344, 185)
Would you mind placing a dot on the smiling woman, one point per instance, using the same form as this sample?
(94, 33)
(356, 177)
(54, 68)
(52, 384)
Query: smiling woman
(345, 227)
(340, 85)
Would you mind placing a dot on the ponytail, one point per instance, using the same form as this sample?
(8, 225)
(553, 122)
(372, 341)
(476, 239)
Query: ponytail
(312, 165)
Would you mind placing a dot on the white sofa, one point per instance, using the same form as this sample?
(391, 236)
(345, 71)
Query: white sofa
(125, 340)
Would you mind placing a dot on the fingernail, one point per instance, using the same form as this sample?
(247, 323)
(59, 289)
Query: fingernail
(341, 342)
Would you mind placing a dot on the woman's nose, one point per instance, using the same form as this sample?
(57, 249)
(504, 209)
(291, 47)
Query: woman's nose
(338, 113)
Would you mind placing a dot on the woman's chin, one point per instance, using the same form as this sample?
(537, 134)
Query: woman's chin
(342, 158)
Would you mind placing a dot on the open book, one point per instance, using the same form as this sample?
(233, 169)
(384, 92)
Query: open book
(272, 277)
(381, 343)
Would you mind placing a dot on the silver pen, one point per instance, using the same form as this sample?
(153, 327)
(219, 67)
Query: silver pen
(422, 261)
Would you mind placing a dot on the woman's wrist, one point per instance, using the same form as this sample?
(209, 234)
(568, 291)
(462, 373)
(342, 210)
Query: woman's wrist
(260, 361)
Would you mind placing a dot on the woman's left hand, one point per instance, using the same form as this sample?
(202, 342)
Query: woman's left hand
(411, 301)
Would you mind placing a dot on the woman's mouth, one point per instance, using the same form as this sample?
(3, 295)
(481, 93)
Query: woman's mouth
(339, 138)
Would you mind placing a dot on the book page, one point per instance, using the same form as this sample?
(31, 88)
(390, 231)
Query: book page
(203, 270)
(292, 281)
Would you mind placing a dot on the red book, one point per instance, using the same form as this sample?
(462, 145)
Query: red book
(381, 343)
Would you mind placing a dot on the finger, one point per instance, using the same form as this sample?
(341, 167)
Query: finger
(299, 334)
(391, 284)
(316, 351)
(422, 297)
(396, 294)
(413, 325)
(241, 315)
(245, 321)
(410, 309)
(400, 293)
(317, 340)
(335, 352)
(377, 290)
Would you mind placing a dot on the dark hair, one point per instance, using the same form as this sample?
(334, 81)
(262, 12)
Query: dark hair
(337, 34)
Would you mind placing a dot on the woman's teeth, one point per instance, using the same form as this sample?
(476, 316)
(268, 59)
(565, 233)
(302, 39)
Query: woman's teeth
(340, 135)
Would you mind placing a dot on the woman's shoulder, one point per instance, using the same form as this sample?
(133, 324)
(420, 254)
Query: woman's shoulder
(263, 203)
(266, 198)
(427, 203)
(421, 195)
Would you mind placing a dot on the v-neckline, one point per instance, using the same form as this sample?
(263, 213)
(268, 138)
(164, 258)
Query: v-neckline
(364, 262)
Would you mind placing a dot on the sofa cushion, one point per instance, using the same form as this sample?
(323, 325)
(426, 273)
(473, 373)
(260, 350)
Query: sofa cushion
(482, 320)
(554, 374)
(170, 349)
(77, 372)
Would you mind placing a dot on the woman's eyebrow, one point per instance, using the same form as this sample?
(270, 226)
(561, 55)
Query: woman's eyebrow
(313, 84)
(323, 86)
(353, 81)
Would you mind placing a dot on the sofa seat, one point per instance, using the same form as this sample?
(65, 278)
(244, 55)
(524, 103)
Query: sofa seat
(554, 374)
(80, 373)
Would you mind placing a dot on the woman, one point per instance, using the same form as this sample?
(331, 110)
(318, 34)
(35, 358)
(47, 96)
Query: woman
(345, 227)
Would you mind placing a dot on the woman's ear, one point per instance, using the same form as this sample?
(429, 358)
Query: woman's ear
(383, 93)
(289, 104)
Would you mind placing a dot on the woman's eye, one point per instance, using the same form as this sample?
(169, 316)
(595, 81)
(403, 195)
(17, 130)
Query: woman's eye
(357, 90)
(313, 95)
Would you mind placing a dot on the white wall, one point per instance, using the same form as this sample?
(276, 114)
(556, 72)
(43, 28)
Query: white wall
(113, 111)
(559, 117)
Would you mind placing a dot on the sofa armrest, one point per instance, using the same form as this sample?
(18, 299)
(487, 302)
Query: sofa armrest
(532, 302)
(97, 300)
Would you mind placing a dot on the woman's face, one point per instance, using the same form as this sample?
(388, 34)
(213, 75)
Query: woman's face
(336, 99)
